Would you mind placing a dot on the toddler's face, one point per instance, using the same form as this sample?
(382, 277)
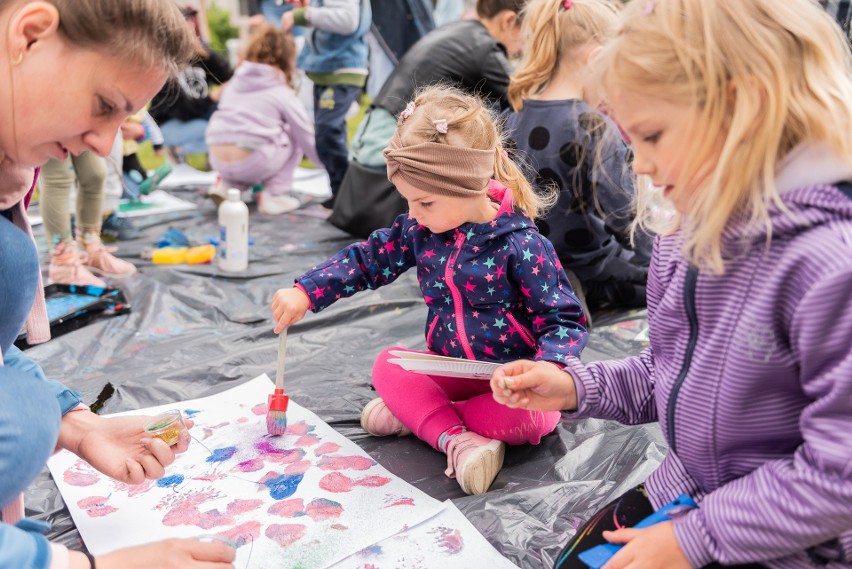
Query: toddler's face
(661, 133)
(443, 213)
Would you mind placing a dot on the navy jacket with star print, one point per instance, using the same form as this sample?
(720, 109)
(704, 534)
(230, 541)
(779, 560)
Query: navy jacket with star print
(495, 291)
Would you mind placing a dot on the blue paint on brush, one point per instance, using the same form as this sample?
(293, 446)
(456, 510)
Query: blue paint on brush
(222, 454)
(284, 486)
(276, 422)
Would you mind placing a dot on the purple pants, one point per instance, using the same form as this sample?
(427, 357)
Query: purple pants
(272, 166)
(429, 405)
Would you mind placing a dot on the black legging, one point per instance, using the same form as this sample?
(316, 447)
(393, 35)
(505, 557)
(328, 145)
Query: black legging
(628, 509)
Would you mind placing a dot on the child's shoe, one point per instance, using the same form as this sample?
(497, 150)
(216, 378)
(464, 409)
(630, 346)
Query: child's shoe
(378, 420)
(218, 192)
(98, 259)
(277, 205)
(474, 461)
(65, 268)
(116, 228)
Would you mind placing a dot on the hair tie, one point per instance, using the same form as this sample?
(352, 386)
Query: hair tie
(567, 4)
(440, 125)
(650, 5)
(406, 112)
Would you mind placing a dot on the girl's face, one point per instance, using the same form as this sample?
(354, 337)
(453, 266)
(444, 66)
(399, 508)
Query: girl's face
(66, 99)
(443, 213)
(661, 132)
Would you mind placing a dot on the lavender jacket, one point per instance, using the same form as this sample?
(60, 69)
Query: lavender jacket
(750, 376)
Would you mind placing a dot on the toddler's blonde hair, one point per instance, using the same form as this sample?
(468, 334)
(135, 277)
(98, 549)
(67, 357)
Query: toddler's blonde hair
(470, 124)
(763, 77)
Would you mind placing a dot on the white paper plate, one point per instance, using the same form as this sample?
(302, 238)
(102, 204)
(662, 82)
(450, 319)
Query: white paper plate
(456, 368)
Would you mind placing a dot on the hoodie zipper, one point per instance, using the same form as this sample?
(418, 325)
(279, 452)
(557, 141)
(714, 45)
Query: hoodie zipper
(458, 309)
(525, 334)
(431, 330)
(689, 286)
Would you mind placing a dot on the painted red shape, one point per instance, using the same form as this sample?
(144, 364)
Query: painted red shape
(299, 428)
(326, 448)
(182, 515)
(287, 508)
(336, 482)
(80, 478)
(285, 534)
(243, 533)
(323, 509)
(260, 409)
(373, 481)
(215, 518)
(238, 507)
(298, 467)
(252, 465)
(345, 463)
(307, 441)
(96, 506)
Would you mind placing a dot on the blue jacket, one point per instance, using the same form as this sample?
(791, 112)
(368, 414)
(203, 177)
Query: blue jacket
(326, 51)
(495, 291)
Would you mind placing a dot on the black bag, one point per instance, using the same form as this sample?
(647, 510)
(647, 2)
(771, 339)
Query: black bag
(366, 201)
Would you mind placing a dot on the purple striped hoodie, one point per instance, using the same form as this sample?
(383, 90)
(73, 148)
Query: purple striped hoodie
(750, 376)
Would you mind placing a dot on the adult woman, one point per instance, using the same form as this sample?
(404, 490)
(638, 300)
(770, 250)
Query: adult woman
(107, 72)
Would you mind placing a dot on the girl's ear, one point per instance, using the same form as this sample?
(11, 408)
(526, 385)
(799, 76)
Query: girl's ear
(33, 22)
(591, 54)
(507, 20)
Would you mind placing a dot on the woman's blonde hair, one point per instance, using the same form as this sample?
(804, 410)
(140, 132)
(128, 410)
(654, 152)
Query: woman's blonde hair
(151, 33)
(470, 124)
(271, 46)
(552, 32)
(762, 76)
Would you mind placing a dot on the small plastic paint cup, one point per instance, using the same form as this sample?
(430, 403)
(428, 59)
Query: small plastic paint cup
(211, 538)
(168, 427)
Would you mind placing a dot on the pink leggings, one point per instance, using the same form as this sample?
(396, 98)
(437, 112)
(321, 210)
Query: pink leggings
(429, 405)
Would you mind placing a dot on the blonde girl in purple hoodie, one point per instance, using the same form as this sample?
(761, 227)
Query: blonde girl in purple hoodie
(740, 112)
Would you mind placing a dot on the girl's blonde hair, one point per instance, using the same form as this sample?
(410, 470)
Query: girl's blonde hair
(553, 32)
(271, 46)
(763, 76)
(151, 33)
(470, 124)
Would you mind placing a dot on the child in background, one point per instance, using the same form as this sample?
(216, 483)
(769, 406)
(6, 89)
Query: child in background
(335, 60)
(573, 146)
(77, 261)
(261, 130)
(748, 370)
(493, 285)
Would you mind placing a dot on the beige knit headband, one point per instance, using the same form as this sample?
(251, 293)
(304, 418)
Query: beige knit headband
(441, 168)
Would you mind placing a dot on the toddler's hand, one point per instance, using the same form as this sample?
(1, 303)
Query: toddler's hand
(537, 386)
(289, 305)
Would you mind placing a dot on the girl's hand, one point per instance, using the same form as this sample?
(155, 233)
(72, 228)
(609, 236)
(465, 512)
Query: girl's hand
(537, 386)
(654, 547)
(170, 554)
(118, 446)
(289, 305)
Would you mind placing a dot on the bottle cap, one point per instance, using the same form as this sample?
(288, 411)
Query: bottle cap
(234, 195)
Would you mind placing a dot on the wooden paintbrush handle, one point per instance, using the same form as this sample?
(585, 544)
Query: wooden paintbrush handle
(282, 353)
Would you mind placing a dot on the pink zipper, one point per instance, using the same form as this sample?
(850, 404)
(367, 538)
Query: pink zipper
(431, 330)
(457, 298)
(525, 334)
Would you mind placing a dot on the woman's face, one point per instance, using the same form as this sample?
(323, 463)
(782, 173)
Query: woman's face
(66, 99)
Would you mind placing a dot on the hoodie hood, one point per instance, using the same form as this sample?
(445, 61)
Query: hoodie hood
(251, 76)
(807, 181)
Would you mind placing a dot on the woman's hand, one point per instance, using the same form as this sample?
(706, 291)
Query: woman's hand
(118, 446)
(654, 547)
(170, 554)
(537, 386)
(289, 305)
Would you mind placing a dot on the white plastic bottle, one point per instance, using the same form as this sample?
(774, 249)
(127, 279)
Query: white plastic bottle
(233, 233)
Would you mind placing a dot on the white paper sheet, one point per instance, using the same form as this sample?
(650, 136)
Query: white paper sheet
(446, 541)
(305, 499)
(156, 202)
(431, 364)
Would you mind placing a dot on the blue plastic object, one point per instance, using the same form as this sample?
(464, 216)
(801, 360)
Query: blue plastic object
(173, 238)
(597, 556)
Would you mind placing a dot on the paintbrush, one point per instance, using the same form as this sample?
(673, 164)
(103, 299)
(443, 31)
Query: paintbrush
(276, 416)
